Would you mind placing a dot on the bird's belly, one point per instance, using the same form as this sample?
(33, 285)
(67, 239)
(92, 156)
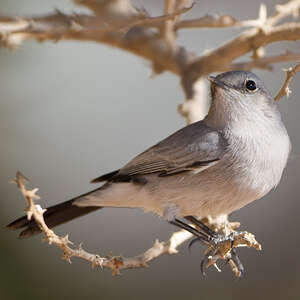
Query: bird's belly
(211, 192)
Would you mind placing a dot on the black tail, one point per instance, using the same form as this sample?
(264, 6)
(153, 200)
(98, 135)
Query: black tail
(54, 215)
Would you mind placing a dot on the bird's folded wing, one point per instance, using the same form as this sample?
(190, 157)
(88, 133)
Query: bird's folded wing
(192, 148)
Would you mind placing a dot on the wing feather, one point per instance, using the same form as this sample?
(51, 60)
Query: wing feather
(195, 147)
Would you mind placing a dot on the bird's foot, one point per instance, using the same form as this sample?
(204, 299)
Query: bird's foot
(220, 246)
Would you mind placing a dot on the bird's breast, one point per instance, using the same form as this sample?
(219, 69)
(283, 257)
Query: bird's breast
(258, 157)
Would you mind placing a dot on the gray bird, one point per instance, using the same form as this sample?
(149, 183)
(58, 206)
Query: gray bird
(210, 168)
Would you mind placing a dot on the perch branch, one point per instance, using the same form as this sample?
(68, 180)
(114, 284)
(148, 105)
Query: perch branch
(117, 263)
(114, 263)
(290, 73)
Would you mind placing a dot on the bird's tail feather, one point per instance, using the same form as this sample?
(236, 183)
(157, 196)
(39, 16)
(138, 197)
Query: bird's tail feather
(54, 215)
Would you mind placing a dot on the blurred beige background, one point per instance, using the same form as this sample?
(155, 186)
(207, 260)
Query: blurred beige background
(72, 111)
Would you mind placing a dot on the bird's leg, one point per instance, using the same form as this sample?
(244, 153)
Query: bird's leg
(201, 236)
(220, 246)
(201, 225)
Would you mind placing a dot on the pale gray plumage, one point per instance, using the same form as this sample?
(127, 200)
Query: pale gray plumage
(234, 156)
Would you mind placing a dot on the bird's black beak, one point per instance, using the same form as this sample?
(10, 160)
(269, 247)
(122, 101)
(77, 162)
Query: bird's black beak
(216, 82)
(211, 78)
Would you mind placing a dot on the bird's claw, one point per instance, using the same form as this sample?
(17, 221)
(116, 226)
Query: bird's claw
(214, 253)
(220, 246)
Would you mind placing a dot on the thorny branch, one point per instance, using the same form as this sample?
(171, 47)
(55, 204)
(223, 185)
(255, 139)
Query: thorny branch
(117, 263)
(114, 263)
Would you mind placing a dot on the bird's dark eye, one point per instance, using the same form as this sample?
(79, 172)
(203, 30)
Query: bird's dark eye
(251, 85)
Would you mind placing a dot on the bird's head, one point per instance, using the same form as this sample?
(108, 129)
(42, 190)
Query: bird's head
(239, 96)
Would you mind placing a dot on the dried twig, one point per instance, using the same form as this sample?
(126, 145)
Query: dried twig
(291, 8)
(290, 73)
(208, 21)
(117, 263)
(114, 263)
(168, 29)
(156, 21)
(195, 108)
(216, 21)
